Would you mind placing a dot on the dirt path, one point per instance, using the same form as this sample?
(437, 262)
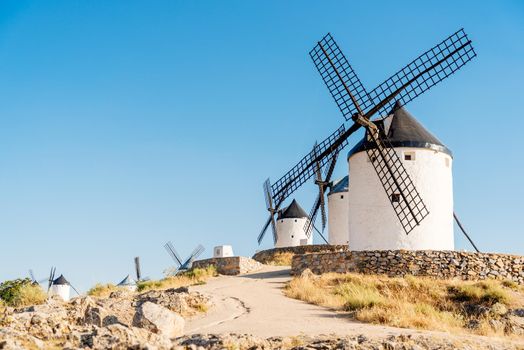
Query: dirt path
(254, 304)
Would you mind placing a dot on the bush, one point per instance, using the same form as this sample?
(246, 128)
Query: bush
(21, 292)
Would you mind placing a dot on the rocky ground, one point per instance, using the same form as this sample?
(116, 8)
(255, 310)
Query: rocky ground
(358, 342)
(123, 320)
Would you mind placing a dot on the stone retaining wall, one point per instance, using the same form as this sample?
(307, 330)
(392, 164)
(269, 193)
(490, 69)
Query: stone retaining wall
(234, 265)
(266, 256)
(440, 264)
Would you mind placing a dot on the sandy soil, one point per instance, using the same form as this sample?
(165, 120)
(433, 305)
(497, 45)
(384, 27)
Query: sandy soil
(254, 304)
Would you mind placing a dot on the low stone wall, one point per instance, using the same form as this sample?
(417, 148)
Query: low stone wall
(265, 256)
(439, 264)
(234, 265)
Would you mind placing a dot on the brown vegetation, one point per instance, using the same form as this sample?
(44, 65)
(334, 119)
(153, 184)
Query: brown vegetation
(413, 302)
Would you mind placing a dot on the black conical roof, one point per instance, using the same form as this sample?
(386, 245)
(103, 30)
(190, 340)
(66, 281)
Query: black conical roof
(61, 280)
(405, 131)
(293, 211)
(340, 185)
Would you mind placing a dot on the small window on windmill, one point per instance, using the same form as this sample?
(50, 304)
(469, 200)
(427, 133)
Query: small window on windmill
(409, 155)
(295, 220)
(395, 197)
(447, 162)
(341, 196)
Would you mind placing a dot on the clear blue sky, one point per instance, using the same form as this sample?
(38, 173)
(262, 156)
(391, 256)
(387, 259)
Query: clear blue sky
(124, 124)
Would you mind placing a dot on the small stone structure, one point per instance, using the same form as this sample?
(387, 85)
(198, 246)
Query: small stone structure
(432, 263)
(268, 255)
(234, 265)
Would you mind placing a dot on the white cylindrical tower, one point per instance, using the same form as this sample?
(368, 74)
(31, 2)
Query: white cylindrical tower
(373, 224)
(291, 223)
(338, 212)
(61, 287)
(127, 283)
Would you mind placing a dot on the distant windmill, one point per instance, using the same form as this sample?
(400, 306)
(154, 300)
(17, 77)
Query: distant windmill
(59, 286)
(138, 271)
(182, 264)
(33, 278)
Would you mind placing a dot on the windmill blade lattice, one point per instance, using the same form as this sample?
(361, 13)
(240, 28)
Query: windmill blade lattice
(401, 192)
(305, 169)
(173, 253)
(430, 68)
(320, 201)
(268, 194)
(137, 269)
(338, 75)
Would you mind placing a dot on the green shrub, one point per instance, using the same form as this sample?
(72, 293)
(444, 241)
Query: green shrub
(21, 292)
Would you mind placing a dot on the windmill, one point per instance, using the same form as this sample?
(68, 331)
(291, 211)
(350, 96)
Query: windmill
(358, 106)
(33, 278)
(182, 264)
(323, 183)
(51, 278)
(59, 286)
(138, 271)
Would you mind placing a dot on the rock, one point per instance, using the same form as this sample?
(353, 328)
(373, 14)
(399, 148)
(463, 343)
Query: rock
(499, 309)
(518, 312)
(94, 315)
(307, 273)
(159, 320)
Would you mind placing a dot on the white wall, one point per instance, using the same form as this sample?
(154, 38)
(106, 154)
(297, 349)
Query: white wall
(373, 224)
(62, 290)
(338, 228)
(222, 251)
(291, 231)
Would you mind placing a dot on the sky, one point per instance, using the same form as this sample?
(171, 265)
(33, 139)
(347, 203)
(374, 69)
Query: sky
(125, 124)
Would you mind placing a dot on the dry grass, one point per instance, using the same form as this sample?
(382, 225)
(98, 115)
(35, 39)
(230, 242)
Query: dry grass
(281, 259)
(410, 302)
(102, 290)
(192, 277)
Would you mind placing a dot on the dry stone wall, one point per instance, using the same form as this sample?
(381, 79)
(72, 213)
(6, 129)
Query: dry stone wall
(439, 264)
(266, 256)
(234, 265)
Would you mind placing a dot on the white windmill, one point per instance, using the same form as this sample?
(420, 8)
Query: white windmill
(290, 226)
(400, 186)
(59, 286)
(337, 198)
